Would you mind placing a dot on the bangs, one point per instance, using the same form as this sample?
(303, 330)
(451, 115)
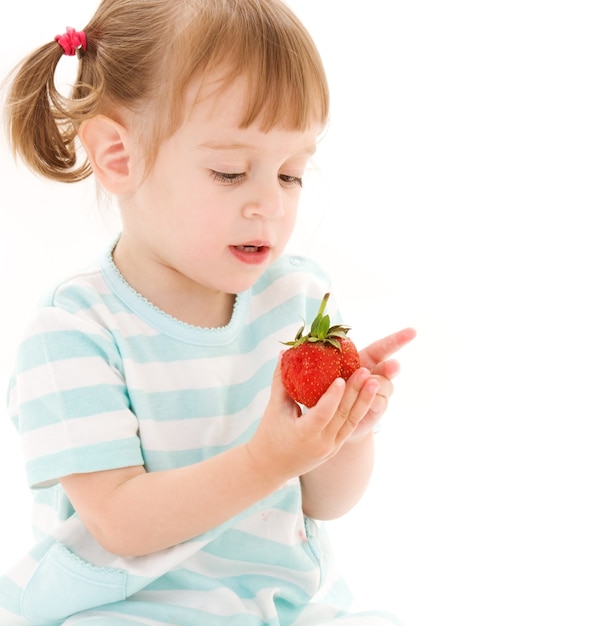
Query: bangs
(286, 83)
(263, 43)
(258, 41)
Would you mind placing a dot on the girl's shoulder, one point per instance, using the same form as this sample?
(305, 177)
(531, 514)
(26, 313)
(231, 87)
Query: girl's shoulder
(293, 286)
(80, 290)
(81, 302)
(294, 272)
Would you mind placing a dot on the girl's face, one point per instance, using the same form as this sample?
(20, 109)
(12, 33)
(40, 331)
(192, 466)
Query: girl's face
(219, 204)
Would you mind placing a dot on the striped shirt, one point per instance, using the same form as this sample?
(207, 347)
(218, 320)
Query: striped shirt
(105, 380)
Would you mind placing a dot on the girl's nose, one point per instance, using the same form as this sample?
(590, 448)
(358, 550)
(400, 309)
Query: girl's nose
(266, 201)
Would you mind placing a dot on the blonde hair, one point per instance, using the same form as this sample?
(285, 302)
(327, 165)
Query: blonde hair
(140, 57)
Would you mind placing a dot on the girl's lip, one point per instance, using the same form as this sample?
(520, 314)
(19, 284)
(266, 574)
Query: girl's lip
(252, 253)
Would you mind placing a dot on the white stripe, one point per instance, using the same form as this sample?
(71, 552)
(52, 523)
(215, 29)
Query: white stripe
(358, 620)
(22, 571)
(75, 536)
(73, 373)
(53, 319)
(11, 400)
(10, 619)
(79, 432)
(202, 373)
(213, 566)
(45, 517)
(128, 324)
(270, 298)
(279, 291)
(280, 526)
(93, 320)
(315, 613)
(222, 602)
(175, 435)
(134, 619)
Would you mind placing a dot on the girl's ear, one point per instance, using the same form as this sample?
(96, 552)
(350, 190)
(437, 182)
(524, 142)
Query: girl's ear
(107, 144)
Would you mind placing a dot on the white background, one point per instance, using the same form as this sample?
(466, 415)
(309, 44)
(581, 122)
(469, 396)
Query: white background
(455, 191)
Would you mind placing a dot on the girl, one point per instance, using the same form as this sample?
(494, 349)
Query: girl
(175, 481)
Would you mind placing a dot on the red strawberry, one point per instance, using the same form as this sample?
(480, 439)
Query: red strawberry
(349, 358)
(315, 360)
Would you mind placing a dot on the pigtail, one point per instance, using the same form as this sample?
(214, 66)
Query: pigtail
(42, 124)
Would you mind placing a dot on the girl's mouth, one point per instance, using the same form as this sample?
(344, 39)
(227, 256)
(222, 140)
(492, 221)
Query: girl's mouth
(251, 254)
(249, 248)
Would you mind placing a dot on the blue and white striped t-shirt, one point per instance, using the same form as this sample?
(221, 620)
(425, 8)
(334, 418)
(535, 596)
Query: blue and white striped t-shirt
(105, 380)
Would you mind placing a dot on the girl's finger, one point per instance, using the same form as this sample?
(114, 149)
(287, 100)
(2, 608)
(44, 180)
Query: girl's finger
(359, 394)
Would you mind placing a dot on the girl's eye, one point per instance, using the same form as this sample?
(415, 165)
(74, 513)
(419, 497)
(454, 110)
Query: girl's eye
(290, 181)
(232, 178)
(227, 178)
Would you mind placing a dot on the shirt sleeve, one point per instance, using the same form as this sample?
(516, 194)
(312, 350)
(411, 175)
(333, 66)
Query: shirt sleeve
(68, 399)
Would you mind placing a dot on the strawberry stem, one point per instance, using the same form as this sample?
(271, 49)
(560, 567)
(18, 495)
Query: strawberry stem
(323, 304)
(320, 330)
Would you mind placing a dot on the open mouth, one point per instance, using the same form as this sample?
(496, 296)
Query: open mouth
(250, 248)
(252, 254)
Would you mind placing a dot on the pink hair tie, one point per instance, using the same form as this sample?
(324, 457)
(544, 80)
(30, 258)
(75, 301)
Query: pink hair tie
(71, 41)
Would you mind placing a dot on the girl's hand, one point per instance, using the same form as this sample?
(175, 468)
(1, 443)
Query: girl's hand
(288, 443)
(374, 358)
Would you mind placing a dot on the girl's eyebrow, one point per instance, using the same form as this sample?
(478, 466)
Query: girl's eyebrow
(210, 145)
(308, 150)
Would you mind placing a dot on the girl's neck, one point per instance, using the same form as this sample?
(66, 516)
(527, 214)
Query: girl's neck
(192, 304)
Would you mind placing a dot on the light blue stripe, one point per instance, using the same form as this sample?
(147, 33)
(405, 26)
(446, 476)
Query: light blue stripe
(143, 349)
(240, 546)
(73, 296)
(291, 312)
(11, 385)
(245, 587)
(71, 404)
(55, 498)
(199, 403)
(40, 549)
(170, 614)
(288, 265)
(157, 460)
(59, 345)
(339, 594)
(93, 458)
(10, 595)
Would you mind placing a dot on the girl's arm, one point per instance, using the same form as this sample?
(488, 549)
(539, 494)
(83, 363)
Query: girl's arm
(132, 512)
(333, 488)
